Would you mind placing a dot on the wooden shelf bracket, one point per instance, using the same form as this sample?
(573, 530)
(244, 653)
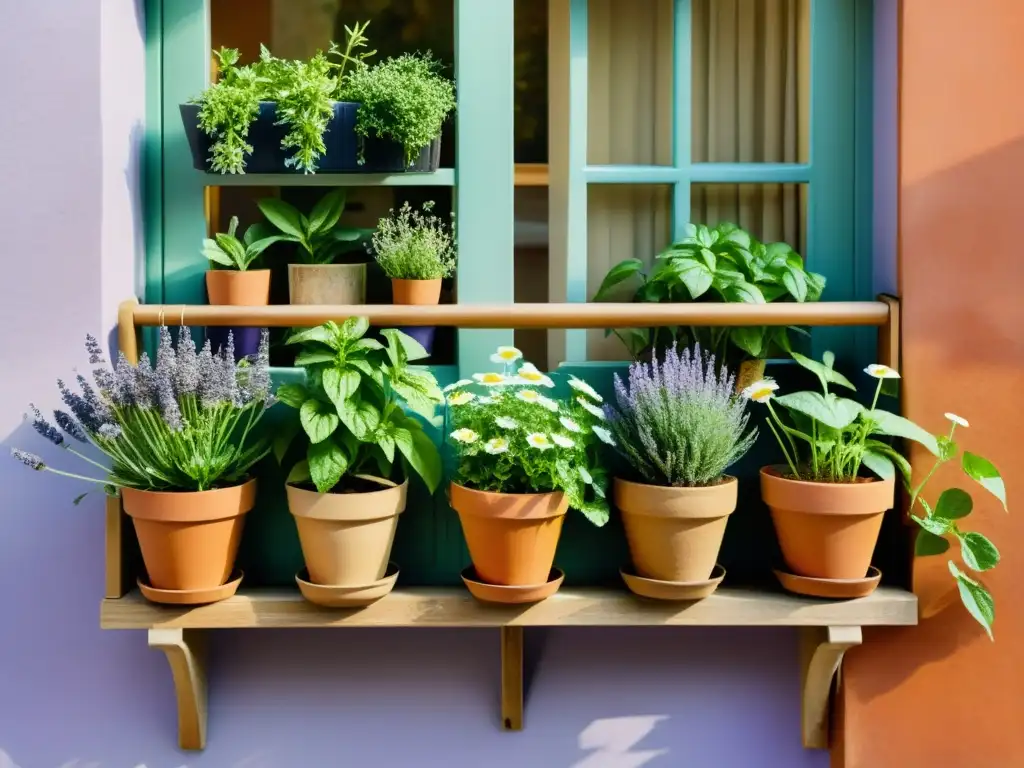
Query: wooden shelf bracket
(821, 658)
(512, 679)
(186, 650)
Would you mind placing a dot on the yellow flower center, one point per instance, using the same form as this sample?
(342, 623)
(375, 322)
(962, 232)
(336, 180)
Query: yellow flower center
(531, 375)
(761, 394)
(492, 378)
(529, 395)
(508, 354)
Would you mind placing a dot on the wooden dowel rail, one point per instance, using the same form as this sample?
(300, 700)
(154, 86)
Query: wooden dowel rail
(574, 315)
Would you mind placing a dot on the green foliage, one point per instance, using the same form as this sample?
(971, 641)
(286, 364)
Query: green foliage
(411, 245)
(319, 236)
(304, 92)
(514, 439)
(351, 406)
(405, 98)
(716, 264)
(226, 250)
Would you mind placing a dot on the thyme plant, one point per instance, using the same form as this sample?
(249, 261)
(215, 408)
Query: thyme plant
(411, 245)
(679, 421)
(188, 422)
(515, 439)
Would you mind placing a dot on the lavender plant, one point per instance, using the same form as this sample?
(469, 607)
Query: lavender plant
(678, 421)
(184, 423)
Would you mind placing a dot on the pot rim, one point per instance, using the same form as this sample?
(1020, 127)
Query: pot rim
(232, 271)
(209, 492)
(510, 506)
(730, 480)
(773, 472)
(534, 495)
(390, 488)
(417, 280)
(170, 506)
(358, 266)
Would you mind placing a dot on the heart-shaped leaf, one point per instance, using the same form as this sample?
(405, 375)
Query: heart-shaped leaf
(978, 552)
(318, 420)
(984, 472)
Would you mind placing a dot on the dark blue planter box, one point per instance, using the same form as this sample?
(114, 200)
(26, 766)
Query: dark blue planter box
(342, 155)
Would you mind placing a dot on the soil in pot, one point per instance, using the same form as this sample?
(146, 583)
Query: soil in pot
(511, 537)
(250, 288)
(346, 537)
(675, 534)
(826, 530)
(327, 283)
(189, 539)
(418, 293)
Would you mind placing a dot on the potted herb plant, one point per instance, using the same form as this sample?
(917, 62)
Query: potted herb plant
(523, 458)
(721, 264)
(231, 281)
(416, 250)
(182, 437)
(360, 448)
(679, 424)
(321, 240)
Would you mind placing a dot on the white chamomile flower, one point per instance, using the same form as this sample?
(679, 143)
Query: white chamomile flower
(562, 441)
(490, 379)
(581, 386)
(486, 400)
(585, 475)
(960, 421)
(464, 435)
(570, 425)
(506, 422)
(528, 374)
(460, 398)
(538, 440)
(506, 355)
(603, 435)
(456, 385)
(590, 408)
(548, 403)
(760, 391)
(496, 445)
(879, 371)
(529, 395)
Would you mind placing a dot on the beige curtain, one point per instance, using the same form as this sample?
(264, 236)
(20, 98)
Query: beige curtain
(750, 77)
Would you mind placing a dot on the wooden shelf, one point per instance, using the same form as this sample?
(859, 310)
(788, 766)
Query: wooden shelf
(443, 177)
(455, 607)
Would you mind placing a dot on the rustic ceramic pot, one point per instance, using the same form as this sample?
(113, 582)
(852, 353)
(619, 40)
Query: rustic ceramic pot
(826, 530)
(511, 537)
(675, 534)
(327, 283)
(189, 539)
(346, 538)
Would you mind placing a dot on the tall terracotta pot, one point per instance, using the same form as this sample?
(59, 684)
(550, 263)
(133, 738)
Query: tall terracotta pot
(250, 288)
(826, 530)
(189, 539)
(327, 283)
(418, 293)
(346, 538)
(511, 537)
(674, 534)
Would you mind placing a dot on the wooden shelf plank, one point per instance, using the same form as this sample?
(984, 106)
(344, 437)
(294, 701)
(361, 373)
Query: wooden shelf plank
(443, 177)
(454, 607)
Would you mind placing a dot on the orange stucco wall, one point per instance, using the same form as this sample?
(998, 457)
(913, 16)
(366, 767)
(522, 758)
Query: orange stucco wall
(940, 694)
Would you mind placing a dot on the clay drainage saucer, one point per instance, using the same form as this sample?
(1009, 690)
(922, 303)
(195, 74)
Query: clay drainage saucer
(672, 590)
(502, 593)
(191, 596)
(347, 596)
(835, 589)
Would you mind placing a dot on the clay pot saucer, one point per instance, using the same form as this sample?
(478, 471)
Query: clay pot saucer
(672, 590)
(347, 596)
(834, 589)
(191, 596)
(502, 593)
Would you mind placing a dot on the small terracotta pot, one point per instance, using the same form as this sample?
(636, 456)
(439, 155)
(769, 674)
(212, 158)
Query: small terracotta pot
(749, 372)
(250, 288)
(346, 537)
(416, 292)
(675, 534)
(189, 539)
(511, 537)
(327, 283)
(826, 530)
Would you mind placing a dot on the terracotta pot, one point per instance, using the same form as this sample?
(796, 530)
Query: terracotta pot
(250, 288)
(511, 537)
(346, 537)
(327, 283)
(189, 539)
(416, 292)
(826, 530)
(749, 372)
(674, 534)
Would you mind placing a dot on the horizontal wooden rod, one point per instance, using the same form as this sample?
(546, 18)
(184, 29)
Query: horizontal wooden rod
(573, 315)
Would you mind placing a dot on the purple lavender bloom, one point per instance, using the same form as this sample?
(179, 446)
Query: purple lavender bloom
(84, 412)
(95, 351)
(144, 394)
(186, 372)
(30, 460)
(227, 374)
(94, 401)
(110, 431)
(69, 425)
(678, 422)
(123, 391)
(45, 428)
(259, 372)
(163, 382)
(208, 387)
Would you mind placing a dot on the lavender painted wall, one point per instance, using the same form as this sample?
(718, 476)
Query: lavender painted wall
(73, 696)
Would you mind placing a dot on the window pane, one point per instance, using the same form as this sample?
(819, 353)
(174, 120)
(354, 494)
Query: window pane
(531, 86)
(770, 212)
(750, 73)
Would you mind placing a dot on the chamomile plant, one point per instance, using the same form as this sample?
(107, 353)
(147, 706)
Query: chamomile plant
(512, 434)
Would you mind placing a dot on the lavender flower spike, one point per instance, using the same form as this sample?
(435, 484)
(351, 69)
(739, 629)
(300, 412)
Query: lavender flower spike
(163, 382)
(45, 428)
(94, 349)
(186, 372)
(110, 431)
(30, 460)
(85, 413)
(69, 425)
